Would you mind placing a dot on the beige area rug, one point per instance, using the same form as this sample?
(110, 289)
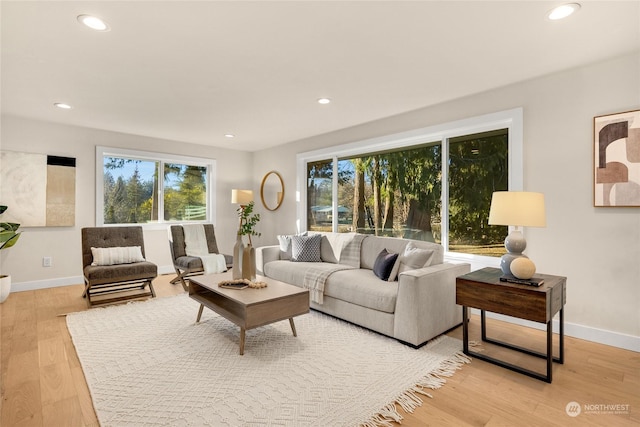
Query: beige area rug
(149, 364)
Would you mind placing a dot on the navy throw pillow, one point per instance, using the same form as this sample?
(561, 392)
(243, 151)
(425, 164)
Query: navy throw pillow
(384, 264)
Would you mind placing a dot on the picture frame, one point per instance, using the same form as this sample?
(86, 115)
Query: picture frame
(616, 160)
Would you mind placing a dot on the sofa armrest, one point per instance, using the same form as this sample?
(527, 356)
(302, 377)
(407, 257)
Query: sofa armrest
(426, 303)
(265, 254)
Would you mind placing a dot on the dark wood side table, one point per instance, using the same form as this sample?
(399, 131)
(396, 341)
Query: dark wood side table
(482, 289)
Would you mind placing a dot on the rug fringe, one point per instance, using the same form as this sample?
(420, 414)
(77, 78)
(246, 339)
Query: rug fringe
(410, 399)
(476, 346)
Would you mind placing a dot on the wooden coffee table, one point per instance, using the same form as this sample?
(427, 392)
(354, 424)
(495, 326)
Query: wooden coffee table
(249, 308)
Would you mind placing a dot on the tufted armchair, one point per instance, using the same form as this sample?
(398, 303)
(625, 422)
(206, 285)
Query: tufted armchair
(110, 267)
(188, 265)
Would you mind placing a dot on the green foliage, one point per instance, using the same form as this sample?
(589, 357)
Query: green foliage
(478, 166)
(400, 192)
(248, 221)
(134, 199)
(9, 234)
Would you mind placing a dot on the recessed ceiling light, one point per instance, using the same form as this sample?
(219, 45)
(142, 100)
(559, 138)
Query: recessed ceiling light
(324, 101)
(62, 105)
(229, 135)
(563, 11)
(93, 22)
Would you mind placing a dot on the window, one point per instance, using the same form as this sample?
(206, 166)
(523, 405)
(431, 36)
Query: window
(150, 188)
(478, 166)
(431, 184)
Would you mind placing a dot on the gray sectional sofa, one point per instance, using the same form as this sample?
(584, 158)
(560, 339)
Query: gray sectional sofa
(416, 307)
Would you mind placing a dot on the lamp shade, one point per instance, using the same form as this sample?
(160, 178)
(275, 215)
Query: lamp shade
(519, 208)
(242, 197)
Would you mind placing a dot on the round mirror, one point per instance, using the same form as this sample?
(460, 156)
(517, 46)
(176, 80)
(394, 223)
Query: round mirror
(272, 191)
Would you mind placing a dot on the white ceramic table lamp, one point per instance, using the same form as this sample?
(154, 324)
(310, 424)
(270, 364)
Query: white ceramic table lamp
(518, 209)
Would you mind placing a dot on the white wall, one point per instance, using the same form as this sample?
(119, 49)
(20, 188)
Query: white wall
(597, 249)
(24, 260)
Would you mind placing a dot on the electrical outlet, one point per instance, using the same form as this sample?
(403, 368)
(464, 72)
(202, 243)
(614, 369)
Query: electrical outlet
(47, 261)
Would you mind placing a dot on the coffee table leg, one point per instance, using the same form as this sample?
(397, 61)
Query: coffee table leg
(242, 333)
(293, 327)
(200, 312)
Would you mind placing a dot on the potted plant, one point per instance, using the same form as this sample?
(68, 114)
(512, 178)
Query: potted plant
(9, 235)
(248, 222)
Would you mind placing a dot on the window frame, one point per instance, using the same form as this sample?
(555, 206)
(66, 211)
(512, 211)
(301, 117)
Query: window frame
(210, 164)
(512, 120)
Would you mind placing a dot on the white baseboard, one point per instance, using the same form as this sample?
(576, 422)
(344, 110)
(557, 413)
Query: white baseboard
(588, 333)
(66, 281)
(45, 284)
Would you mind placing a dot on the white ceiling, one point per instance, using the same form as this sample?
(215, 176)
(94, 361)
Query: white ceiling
(194, 71)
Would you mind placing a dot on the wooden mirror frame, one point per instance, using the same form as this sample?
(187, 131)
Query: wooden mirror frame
(264, 180)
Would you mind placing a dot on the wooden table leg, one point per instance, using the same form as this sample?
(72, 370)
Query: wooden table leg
(242, 334)
(200, 313)
(293, 327)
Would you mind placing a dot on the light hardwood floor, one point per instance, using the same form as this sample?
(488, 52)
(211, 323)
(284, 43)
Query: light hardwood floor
(42, 383)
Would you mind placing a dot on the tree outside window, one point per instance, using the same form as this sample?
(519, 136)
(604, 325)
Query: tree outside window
(399, 192)
(133, 193)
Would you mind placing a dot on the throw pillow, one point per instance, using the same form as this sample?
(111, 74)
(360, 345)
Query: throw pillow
(306, 248)
(116, 255)
(412, 258)
(384, 264)
(285, 244)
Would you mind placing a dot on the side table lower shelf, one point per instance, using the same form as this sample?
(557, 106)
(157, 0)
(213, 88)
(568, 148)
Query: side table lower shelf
(548, 355)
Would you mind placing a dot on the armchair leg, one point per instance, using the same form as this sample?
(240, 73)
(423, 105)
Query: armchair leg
(153, 292)
(180, 278)
(86, 290)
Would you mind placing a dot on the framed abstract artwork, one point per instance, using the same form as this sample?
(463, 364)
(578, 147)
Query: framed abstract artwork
(616, 160)
(40, 190)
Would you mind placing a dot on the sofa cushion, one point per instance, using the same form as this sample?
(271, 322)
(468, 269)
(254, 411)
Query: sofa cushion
(292, 272)
(384, 264)
(357, 286)
(306, 248)
(285, 244)
(362, 287)
(372, 245)
(412, 258)
(100, 274)
(340, 248)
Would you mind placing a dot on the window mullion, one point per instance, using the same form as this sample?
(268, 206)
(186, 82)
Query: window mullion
(161, 218)
(444, 194)
(334, 196)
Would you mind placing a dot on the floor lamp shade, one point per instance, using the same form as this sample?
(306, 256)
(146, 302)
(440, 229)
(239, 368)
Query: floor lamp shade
(519, 209)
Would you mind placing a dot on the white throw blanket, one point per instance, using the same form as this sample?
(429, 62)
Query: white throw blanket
(350, 254)
(315, 278)
(195, 242)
